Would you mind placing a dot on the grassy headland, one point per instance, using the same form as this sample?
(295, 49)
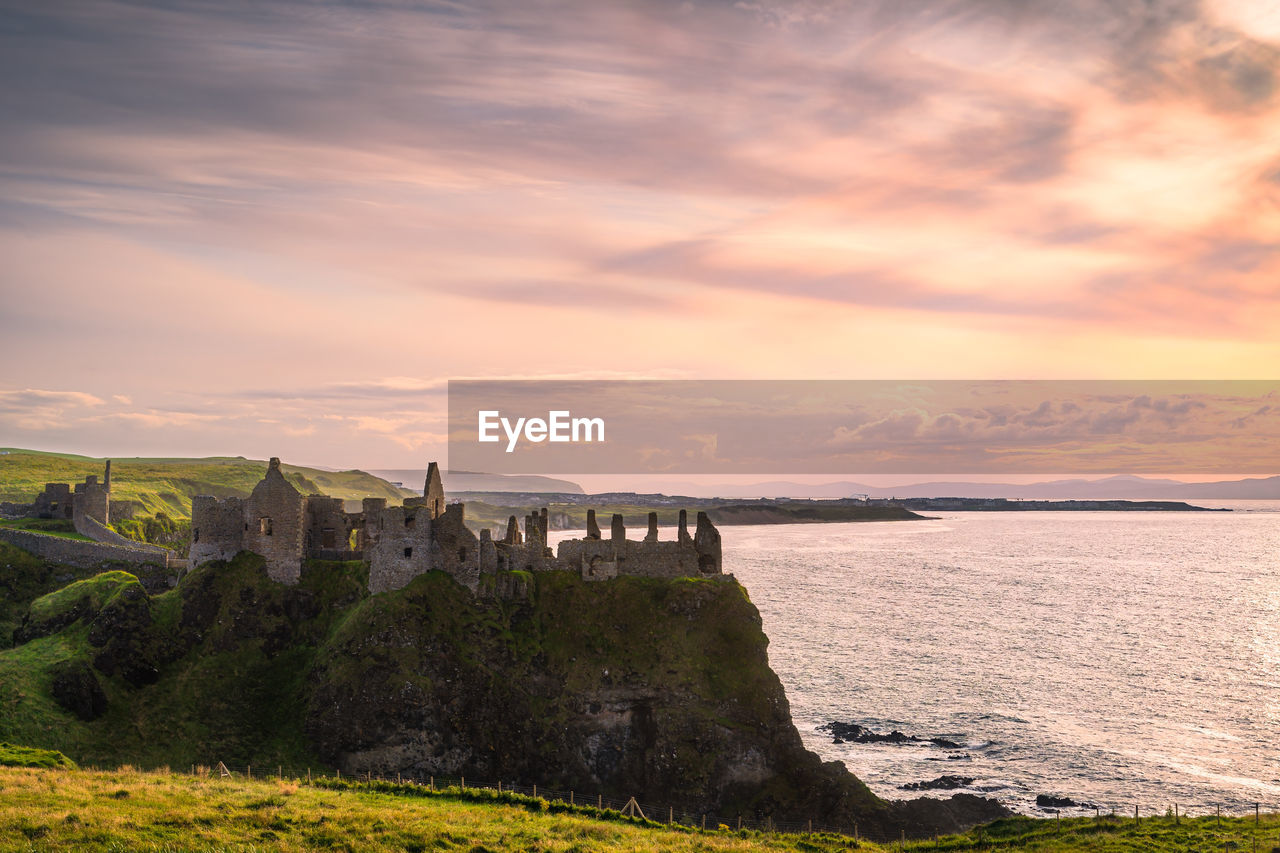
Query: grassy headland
(95, 810)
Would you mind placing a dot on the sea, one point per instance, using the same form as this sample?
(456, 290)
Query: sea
(1116, 659)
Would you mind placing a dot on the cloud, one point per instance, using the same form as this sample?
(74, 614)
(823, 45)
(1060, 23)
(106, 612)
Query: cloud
(38, 409)
(272, 204)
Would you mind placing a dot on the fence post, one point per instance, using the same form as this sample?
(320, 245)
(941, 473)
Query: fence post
(1219, 814)
(248, 770)
(308, 775)
(704, 823)
(433, 783)
(571, 798)
(1135, 813)
(1175, 813)
(671, 814)
(1257, 814)
(600, 802)
(739, 823)
(462, 780)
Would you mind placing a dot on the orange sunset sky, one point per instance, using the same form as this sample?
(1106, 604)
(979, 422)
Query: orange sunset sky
(279, 229)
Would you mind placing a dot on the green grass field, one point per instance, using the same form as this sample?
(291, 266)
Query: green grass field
(127, 809)
(60, 527)
(167, 485)
(130, 810)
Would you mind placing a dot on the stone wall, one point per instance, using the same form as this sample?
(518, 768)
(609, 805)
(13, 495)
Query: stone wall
(457, 546)
(400, 547)
(328, 525)
(87, 526)
(217, 528)
(274, 515)
(54, 502)
(601, 559)
(77, 552)
(9, 509)
(93, 500)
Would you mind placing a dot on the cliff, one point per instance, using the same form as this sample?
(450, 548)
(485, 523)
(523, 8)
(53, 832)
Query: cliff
(658, 689)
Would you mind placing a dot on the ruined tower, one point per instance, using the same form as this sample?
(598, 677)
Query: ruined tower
(93, 499)
(273, 524)
(433, 491)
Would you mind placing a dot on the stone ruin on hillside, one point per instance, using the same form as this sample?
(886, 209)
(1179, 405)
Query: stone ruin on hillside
(427, 533)
(91, 500)
(89, 508)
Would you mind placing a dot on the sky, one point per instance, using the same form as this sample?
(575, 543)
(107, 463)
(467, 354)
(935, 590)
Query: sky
(280, 229)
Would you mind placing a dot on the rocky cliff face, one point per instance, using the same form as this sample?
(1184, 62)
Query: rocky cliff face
(636, 687)
(658, 689)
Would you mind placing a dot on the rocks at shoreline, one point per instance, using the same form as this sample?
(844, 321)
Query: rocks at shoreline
(942, 783)
(854, 733)
(1045, 801)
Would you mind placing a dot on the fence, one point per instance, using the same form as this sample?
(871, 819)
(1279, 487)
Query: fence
(679, 817)
(552, 799)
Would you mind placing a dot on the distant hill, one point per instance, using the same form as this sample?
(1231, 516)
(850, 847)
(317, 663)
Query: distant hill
(1254, 488)
(470, 481)
(1120, 487)
(167, 485)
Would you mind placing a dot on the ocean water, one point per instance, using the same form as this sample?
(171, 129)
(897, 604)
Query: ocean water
(1119, 659)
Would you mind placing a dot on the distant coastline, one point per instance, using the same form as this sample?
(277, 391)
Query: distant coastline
(568, 511)
(1018, 505)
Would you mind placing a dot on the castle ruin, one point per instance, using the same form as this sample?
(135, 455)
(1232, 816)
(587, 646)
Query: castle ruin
(428, 534)
(88, 508)
(91, 500)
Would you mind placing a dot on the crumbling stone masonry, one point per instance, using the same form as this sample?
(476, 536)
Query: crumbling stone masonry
(399, 543)
(90, 500)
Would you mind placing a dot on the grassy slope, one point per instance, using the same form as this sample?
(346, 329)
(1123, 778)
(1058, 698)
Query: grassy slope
(25, 756)
(126, 809)
(167, 485)
(42, 809)
(226, 680)
(24, 578)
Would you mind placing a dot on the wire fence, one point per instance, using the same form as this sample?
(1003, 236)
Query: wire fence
(1262, 831)
(551, 799)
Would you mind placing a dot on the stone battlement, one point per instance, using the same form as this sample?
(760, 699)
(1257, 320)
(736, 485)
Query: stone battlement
(427, 534)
